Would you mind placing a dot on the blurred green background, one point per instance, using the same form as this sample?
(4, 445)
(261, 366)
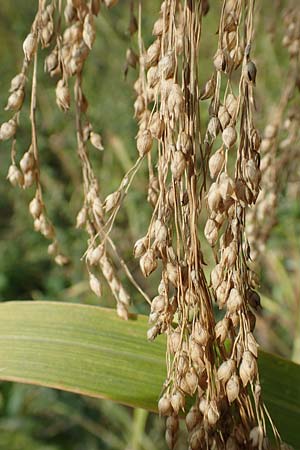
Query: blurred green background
(34, 418)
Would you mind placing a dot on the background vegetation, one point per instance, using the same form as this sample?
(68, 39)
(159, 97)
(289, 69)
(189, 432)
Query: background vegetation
(42, 419)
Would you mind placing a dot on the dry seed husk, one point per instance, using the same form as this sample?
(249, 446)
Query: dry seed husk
(222, 328)
(17, 82)
(235, 301)
(192, 418)
(177, 401)
(233, 388)
(29, 179)
(222, 293)
(170, 438)
(15, 100)
(172, 273)
(229, 255)
(213, 127)
(213, 414)
(172, 423)
(211, 232)
(96, 140)
(144, 142)
(166, 65)
(214, 197)
(178, 165)
(140, 247)
(231, 104)
(62, 95)
(252, 172)
(223, 116)
(139, 108)
(95, 255)
(35, 207)
(158, 304)
(89, 32)
(153, 53)
(159, 27)
(252, 344)
(208, 89)
(156, 125)
(15, 176)
(27, 162)
(148, 262)
(29, 46)
(8, 130)
(250, 72)
(153, 78)
(216, 276)
(200, 334)
(226, 370)
(111, 201)
(175, 101)
(160, 231)
(226, 186)
(220, 60)
(51, 61)
(229, 136)
(191, 379)
(248, 368)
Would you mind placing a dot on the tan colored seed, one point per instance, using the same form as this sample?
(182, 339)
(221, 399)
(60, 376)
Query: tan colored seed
(148, 262)
(95, 284)
(96, 140)
(235, 301)
(229, 136)
(211, 232)
(144, 142)
(62, 95)
(29, 46)
(177, 401)
(166, 66)
(164, 405)
(223, 116)
(216, 163)
(8, 130)
(15, 176)
(27, 162)
(153, 53)
(178, 165)
(15, 100)
(17, 82)
(35, 207)
(231, 104)
(226, 370)
(248, 368)
(221, 329)
(212, 413)
(233, 388)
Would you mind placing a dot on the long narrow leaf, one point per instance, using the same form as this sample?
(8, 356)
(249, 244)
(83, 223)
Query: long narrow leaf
(89, 350)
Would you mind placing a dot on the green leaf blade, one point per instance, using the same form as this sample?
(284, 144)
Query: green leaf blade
(90, 351)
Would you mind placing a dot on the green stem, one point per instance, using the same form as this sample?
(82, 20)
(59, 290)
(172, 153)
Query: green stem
(138, 427)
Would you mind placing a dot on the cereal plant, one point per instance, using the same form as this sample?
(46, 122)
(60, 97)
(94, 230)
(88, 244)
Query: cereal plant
(213, 185)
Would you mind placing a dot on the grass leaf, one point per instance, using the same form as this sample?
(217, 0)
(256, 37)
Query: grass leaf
(90, 351)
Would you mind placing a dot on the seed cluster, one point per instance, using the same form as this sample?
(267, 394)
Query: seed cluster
(279, 150)
(196, 170)
(216, 362)
(69, 49)
(26, 172)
